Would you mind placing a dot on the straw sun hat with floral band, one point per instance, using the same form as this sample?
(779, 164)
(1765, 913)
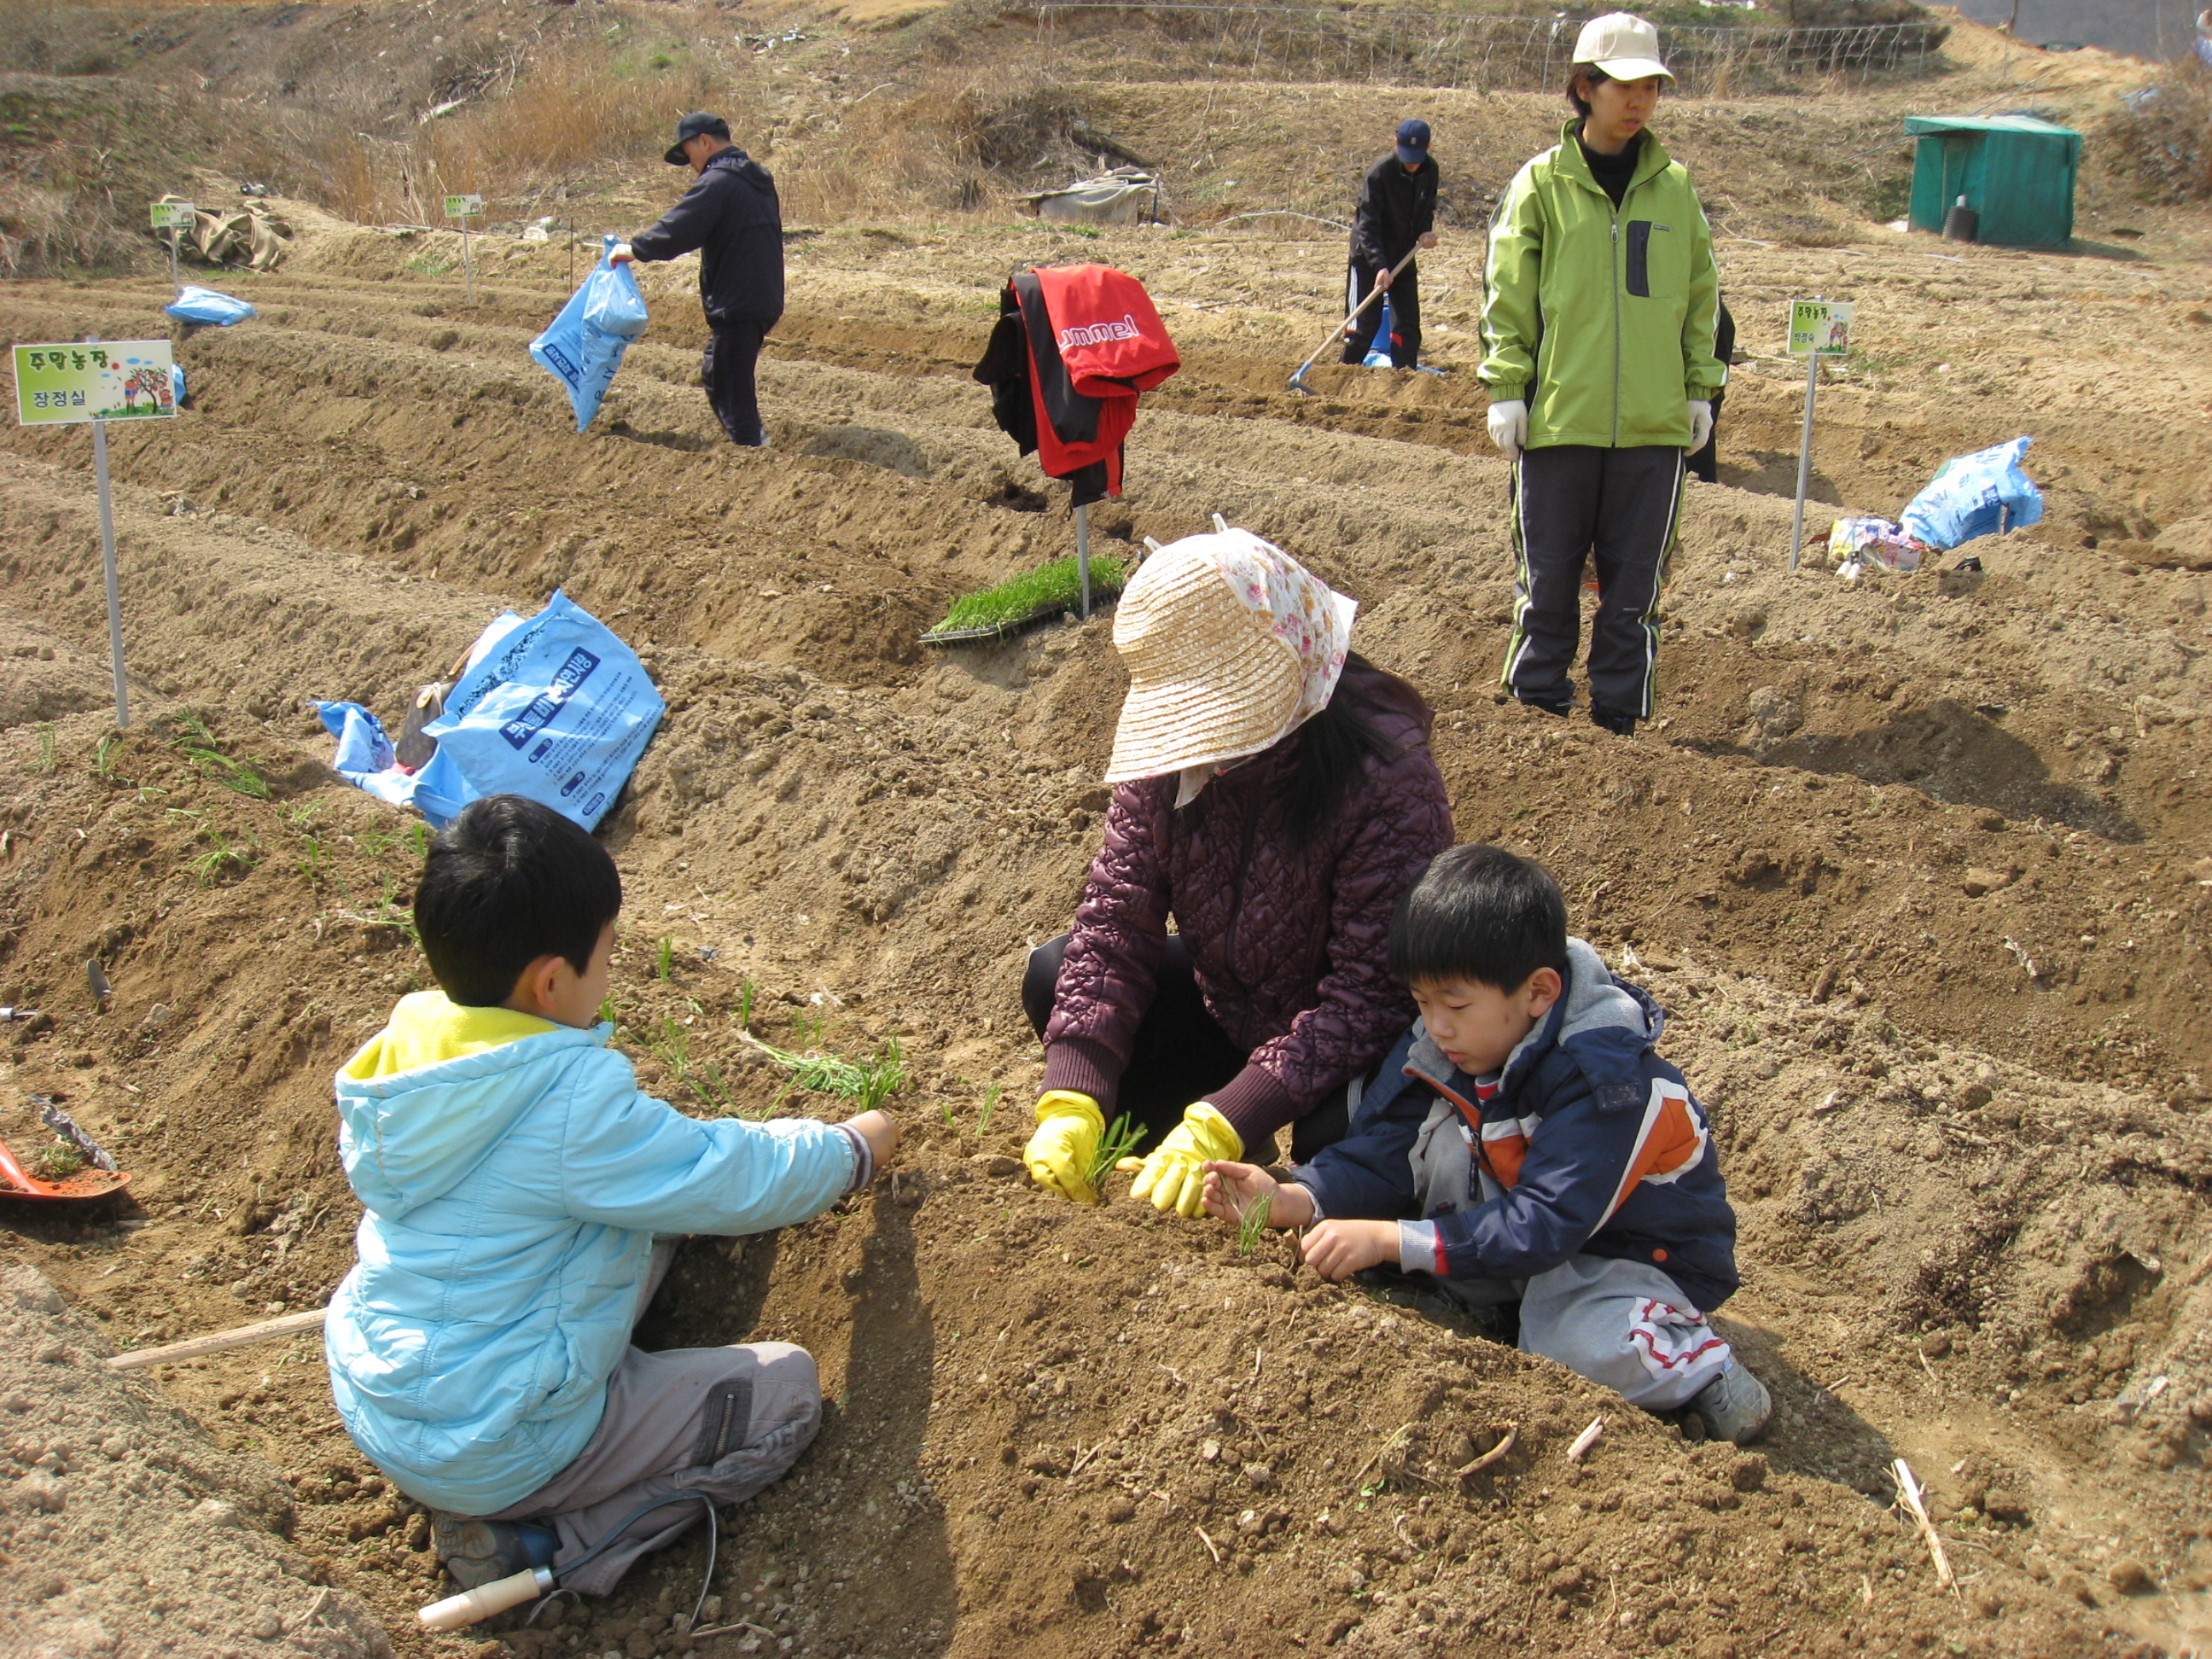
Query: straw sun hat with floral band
(1230, 645)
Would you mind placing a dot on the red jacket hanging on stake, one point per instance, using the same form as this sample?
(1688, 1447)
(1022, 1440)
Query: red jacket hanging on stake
(1096, 342)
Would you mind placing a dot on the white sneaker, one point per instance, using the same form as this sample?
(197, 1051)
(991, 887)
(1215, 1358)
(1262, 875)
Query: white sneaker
(1735, 1406)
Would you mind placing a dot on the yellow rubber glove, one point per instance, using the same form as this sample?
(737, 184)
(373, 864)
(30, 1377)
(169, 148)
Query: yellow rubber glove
(1060, 1153)
(1173, 1177)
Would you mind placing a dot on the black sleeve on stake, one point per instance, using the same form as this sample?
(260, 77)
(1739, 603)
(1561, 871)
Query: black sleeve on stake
(1074, 417)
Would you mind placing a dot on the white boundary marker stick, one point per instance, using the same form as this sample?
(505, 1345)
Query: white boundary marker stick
(170, 1353)
(1909, 1490)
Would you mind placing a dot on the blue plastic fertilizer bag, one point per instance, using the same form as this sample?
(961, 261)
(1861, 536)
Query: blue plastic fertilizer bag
(1983, 494)
(204, 305)
(364, 757)
(583, 346)
(556, 707)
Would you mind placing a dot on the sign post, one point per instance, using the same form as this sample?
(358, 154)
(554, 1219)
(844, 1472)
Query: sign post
(65, 383)
(176, 218)
(1818, 329)
(466, 208)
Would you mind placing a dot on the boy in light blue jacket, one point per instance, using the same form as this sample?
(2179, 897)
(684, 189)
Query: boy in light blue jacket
(520, 1191)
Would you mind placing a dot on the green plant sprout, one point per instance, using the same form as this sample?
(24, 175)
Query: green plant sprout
(664, 959)
(606, 1015)
(944, 1111)
(866, 1083)
(990, 1105)
(101, 769)
(195, 728)
(230, 774)
(377, 843)
(1120, 1140)
(1252, 1224)
(302, 815)
(746, 991)
(419, 834)
(55, 1162)
(310, 864)
(208, 866)
(45, 760)
(1054, 587)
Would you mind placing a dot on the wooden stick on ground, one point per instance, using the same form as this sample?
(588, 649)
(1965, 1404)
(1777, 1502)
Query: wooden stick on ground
(1208, 1542)
(193, 1347)
(1585, 1440)
(1909, 1490)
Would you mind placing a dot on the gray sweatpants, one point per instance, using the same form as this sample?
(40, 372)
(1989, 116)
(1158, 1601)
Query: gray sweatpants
(1617, 507)
(1624, 1325)
(719, 1424)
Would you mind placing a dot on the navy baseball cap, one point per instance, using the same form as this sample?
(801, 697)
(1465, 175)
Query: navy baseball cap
(699, 124)
(1413, 142)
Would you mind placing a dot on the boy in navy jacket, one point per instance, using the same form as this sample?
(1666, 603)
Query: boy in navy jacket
(1524, 1141)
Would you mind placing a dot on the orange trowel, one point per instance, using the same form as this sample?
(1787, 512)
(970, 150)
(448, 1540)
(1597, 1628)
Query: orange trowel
(99, 1178)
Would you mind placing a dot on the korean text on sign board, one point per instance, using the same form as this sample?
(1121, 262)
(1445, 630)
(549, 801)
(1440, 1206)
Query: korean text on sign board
(114, 380)
(464, 207)
(1819, 328)
(173, 216)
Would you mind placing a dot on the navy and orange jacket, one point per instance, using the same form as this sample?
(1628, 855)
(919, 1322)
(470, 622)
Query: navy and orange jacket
(1590, 1144)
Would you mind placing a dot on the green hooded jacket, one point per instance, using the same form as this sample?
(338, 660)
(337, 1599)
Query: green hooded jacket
(1602, 319)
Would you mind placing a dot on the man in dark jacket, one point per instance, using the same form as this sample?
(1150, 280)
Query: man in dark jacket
(1397, 213)
(732, 217)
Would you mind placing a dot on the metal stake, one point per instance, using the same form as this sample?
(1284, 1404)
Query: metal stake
(107, 563)
(467, 268)
(1805, 451)
(1083, 555)
(174, 281)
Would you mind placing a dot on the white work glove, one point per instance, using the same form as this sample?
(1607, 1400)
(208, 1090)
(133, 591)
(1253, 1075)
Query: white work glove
(619, 254)
(1509, 426)
(1701, 423)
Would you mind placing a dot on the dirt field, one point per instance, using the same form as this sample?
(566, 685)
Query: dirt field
(1921, 866)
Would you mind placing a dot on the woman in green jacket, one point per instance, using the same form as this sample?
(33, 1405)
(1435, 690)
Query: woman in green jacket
(1599, 360)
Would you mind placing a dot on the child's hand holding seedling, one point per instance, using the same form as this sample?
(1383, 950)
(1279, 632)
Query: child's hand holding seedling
(1234, 1191)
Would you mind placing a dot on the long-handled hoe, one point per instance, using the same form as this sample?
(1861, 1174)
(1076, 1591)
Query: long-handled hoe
(1336, 334)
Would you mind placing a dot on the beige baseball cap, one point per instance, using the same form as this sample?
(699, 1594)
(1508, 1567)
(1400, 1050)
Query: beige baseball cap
(1623, 45)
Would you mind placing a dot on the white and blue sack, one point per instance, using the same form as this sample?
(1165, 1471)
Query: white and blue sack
(583, 346)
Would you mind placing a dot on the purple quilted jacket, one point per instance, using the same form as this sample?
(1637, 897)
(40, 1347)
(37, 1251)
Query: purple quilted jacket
(1287, 944)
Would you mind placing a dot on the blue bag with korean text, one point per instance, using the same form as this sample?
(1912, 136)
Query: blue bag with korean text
(1983, 494)
(583, 346)
(554, 707)
(204, 305)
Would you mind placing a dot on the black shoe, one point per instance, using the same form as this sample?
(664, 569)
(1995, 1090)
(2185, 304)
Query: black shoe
(1622, 725)
(1561, 707)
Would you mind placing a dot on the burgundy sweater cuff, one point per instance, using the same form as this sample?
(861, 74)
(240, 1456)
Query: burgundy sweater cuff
(1086, 1067)
(1255, 1104)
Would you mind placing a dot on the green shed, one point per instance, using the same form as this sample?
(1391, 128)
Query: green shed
(2015, 172)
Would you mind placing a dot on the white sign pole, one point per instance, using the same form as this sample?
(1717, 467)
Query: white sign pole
(1083, 555)
(107, 567)
(175, 281)
(1804, 455)
(467, 268)
(1818, 328)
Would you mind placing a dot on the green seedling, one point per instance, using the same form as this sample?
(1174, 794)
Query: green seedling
(606, 1014)
(945, 1112)
(195, 728)
(45, 760)
(377, 843)
(1252, 1224)
(302, 815)
(866, 1083)
(664, 959)
(419, 834)
(55, 1162)
(746, 991)
(1120, 1140)
(230, 774)
(1054, 587)
(101, 769)
(310, 863)
(990, 1105)
(207, 867)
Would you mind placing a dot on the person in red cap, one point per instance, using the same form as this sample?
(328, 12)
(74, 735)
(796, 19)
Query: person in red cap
(1397, 213)
(731, 216)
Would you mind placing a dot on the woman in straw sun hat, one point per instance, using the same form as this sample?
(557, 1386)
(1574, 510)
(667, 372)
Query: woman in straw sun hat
(1599, 359)
(1273, 795)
